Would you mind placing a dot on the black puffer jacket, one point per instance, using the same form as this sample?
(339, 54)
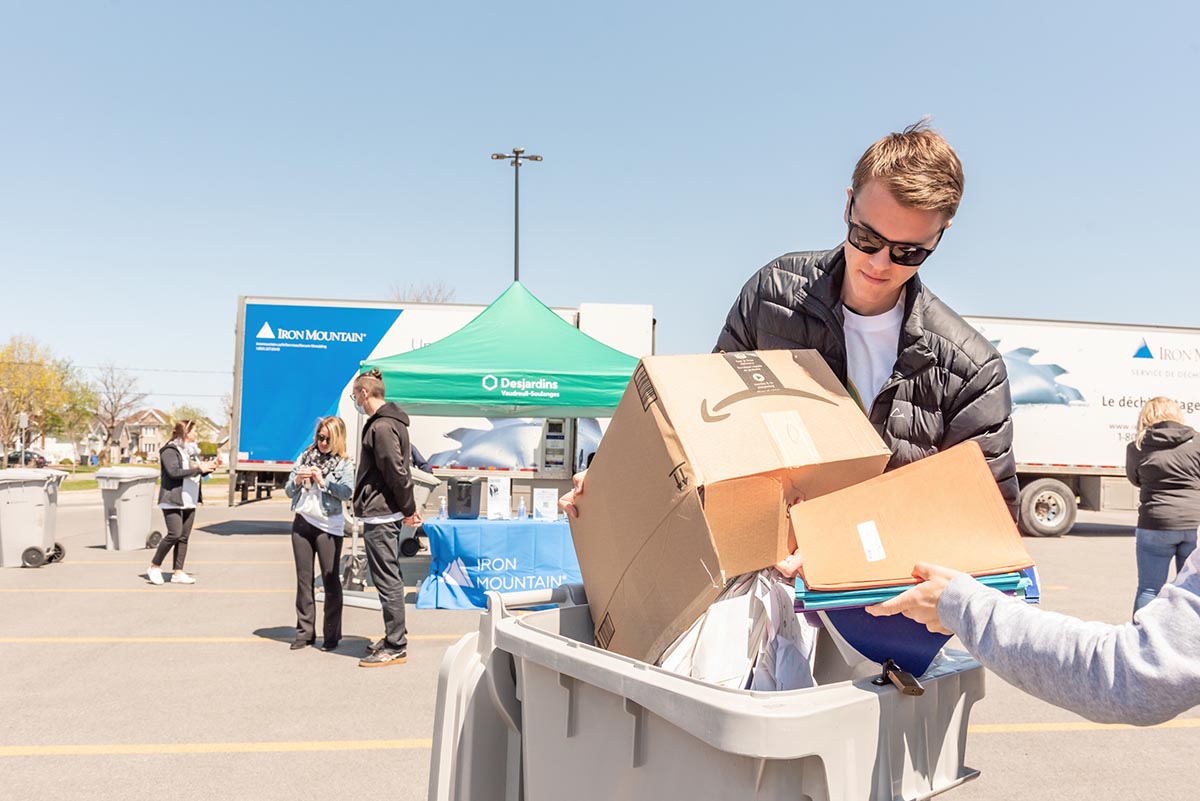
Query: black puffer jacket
(949, 385)
(1167, 469)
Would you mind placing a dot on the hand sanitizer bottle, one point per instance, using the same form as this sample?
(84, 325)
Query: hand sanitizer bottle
(442, 509)
(521, 508)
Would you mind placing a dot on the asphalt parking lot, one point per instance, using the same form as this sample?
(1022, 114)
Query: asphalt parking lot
(111, 688)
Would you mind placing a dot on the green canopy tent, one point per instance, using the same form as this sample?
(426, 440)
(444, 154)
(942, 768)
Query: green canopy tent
(516, 359)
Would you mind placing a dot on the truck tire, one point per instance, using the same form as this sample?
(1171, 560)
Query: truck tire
(1047, 508)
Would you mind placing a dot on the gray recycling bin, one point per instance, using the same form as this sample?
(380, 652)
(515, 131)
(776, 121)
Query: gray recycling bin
(528, 708)
(129, 494)
(28, 511)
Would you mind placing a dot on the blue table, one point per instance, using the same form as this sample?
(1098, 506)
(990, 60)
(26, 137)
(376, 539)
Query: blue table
(471, 557)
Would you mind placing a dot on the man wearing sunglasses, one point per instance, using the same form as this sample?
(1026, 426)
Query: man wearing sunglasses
(926, 379)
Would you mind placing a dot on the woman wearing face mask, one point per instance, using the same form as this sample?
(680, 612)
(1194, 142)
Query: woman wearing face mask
(325, 469)
(178, 495)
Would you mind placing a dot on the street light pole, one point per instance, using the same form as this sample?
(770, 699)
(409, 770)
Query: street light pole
(517, 155)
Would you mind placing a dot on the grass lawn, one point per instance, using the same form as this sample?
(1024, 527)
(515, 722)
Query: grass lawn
(81, 482)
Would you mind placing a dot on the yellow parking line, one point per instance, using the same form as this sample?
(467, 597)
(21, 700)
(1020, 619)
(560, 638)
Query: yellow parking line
(399, 745)
(211, 748)
(142, 563)
(1078, 725)
(190, 589)
(75, 640)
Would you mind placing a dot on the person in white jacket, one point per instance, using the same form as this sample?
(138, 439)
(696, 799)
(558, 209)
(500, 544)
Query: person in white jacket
(1143, 672)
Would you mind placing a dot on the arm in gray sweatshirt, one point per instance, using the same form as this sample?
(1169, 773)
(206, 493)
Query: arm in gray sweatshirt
(1144, 672)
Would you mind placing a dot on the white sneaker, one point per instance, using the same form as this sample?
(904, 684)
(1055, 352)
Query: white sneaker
(179, 577)
(154, 574)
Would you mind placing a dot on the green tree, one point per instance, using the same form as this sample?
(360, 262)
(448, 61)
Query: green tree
(34, 382)
(72, 419)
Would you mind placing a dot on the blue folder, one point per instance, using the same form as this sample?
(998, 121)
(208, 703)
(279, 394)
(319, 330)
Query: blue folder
(906, 642)
(841, 599)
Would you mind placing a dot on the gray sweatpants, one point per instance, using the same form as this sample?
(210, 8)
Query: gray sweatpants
(382, 542)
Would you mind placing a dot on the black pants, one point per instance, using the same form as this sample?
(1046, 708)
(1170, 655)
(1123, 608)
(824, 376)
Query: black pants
(309, 541)
(179, 528)
(383, 557)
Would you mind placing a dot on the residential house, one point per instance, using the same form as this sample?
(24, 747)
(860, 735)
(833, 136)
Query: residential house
(145, 432)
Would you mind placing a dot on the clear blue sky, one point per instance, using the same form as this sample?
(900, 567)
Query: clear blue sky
(159, 159)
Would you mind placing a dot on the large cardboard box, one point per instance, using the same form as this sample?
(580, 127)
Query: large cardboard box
(944, 510)
(692, 481)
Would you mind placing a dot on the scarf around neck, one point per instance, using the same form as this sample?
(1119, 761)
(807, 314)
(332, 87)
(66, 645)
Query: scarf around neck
(324, 461)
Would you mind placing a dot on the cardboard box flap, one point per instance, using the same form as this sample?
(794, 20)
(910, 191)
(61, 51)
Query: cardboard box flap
(676, 568)
(748, 520)
(638, 462)
(945, 509)
(746, 413)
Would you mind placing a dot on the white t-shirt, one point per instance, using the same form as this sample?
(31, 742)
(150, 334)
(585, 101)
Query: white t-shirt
(394, 517)
(335, 525)
(872, 344)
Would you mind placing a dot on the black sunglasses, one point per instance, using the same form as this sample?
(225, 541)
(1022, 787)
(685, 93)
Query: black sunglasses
(864, 238)
(322, 438)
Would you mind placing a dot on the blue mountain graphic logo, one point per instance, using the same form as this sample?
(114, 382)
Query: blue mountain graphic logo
(1143, 352)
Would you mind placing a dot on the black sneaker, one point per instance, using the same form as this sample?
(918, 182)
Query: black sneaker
(376, 646)
(384, 657)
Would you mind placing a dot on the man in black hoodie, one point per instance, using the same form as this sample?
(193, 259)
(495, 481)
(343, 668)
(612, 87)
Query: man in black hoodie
(384, 501)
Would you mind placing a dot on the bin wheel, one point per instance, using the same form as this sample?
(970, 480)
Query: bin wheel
(154, 539)
(57, 553)
(410, 547)
(33, 557)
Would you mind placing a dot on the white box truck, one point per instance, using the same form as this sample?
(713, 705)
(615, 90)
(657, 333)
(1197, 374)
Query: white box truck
(1077, 389)
(295, 358)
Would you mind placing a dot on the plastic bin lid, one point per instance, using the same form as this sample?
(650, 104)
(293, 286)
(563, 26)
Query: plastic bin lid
(30, 474)
(419, 476)
(126, 473)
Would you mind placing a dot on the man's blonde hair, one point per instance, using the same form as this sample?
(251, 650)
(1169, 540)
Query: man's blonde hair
(1157, 410)
(336, 430)
(917, 166)
(372, 382)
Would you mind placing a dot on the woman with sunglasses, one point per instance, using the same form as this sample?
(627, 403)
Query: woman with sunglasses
(321, 480)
